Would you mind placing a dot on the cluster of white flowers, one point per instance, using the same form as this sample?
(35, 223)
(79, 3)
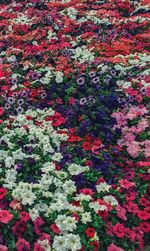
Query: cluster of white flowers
(67, 242)
(82, 54)
(102, 187)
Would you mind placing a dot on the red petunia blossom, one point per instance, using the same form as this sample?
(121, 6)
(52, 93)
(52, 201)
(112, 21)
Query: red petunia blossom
(19, 228)
(37, 225)
(90, 232)
(130, 234)
(1, 74)
(132, 207)
(45, 236)
(1, 111)
(86, 191)
(3, 192)
(5, 216)
(113, 247)
(37, 247)
(126, 184)
(24, 216)
(86, 146)
(22, 245)
(144, 202)
(101, 179)
(96, 245)
(130, 196)
(71, 101)
(143, 215)
(121, 212)
(145, 226)
(119, 230)
(103, 214)
(55, 229)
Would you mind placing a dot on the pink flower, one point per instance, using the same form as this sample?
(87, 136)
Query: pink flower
(55, 229)
(133, 149)
(19, 228)
(22, 245)
(1, 111)
(121, 212)
(118, 230)
(37, 225)
(126, 184)
(113, 247)
(5, 216)
(37, 247)
(45, 236)
(25, 216)
(3, 248)
(130, 234)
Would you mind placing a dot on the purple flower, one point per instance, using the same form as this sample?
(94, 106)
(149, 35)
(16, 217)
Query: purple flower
(92, 74)
(83, 101)
(95, 80)
(7, 106)
(20, 101)
(80, 81)
(10, 100)
(19, 109)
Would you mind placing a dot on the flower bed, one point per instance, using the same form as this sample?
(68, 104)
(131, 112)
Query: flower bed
(74, 125)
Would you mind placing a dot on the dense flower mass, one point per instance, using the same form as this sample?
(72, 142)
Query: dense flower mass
(74, 125)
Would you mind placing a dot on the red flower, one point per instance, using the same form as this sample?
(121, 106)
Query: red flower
(130, 196)
(86, 146)
(101, 179)
(126, 184)
(144, 202)
(1, 111)
(37, 225)
(25, 216)
(130, 234)
(121, 212)
(131, 207)
(103, 214)
(86, 191)
(1, 74)
(113, 247)
(22, 245)
(90, 232)
(71, 101)
(143, 215)
(119, 230)
(145, 226)
(5, 216)
(55, 229)
(19, 228)
(37, 247)
(3, 192)
(96, 245)
(45, 236)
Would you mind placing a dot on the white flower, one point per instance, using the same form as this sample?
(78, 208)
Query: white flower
(59, 243)
(66, 223)
(73, 242)
(97, 207)
(75, 169)
(111, 200)
(57, 157)
(102, 187)
(86, 217)
(34, 214)
(69, 186)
